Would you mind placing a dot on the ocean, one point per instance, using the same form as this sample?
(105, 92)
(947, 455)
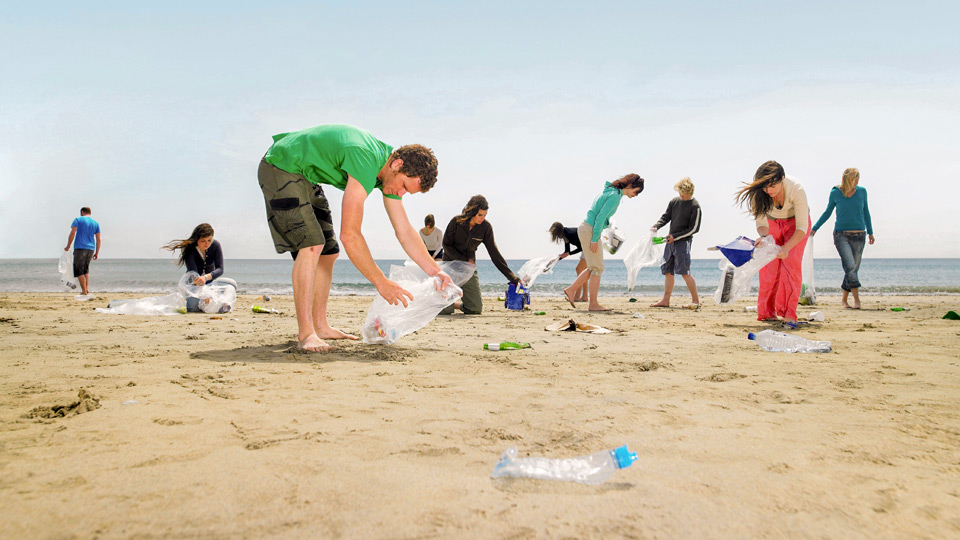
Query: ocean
(272, 276)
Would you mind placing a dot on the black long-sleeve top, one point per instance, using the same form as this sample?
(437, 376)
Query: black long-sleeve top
(571, 238)
(212, 264)
(683, 216)
(460, 243)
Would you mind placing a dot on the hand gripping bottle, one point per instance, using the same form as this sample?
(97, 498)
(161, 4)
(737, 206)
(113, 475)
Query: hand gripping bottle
(770, 340)
(594, 469)
(505, 346)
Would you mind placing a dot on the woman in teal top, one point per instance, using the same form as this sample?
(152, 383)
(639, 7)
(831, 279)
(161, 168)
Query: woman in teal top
(851, 230)
(598, 219)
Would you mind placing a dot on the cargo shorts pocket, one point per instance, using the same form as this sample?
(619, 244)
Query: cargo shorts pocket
(288, 220)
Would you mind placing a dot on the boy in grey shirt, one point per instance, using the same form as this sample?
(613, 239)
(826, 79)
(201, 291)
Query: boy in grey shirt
(683, 214)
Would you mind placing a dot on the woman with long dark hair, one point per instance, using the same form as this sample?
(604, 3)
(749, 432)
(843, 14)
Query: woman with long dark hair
(598, 219)
(778, 204)
(202, 254)
(851, 230)
(464, 235)
(569, 237)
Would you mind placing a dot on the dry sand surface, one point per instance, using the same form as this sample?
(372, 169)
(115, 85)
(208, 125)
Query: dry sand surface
(199, 426)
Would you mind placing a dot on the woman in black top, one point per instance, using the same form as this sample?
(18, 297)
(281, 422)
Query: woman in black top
(570, 237)
(464, 235)
(202, 254)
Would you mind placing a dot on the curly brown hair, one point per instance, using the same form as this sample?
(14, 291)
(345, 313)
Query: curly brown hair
(418, 162)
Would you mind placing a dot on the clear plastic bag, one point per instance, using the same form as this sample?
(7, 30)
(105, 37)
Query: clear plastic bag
(170, 304)
(535, 268)
(65, 268)
(386, 324)
(735, 280)
(214, 297)
(644, 253)
(612, 238)
(808, 293)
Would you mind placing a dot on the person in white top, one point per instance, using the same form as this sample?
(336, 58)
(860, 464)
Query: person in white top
(432, 237)
(779, 206)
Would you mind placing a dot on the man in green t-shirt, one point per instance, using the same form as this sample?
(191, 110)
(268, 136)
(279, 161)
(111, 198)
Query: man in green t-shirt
(291, 176)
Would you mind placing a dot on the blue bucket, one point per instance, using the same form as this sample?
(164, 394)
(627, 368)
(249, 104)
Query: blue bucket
(517, 297)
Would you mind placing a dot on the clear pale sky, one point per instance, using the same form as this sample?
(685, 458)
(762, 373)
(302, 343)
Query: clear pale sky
(156, 116)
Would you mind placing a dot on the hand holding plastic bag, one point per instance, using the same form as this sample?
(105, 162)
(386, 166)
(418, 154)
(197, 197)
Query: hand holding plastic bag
(644, 253)
(65, 268)
(612, 238)
(214, 297)
(735, 280)
(535, 268)
(387, 323)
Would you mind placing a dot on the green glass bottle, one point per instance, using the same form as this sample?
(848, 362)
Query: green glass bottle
(899, 309)
(505, 346)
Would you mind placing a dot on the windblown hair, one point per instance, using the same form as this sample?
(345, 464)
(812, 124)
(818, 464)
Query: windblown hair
(429, 221)
(684, 186)
(474, 205)
(753, 194)
(418, 162)
(849, 183)
(628, 181)
(556, 232)
(202, 230)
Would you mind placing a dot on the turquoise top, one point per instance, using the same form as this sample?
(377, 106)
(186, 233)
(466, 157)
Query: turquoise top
(604, 206)
(853, 214)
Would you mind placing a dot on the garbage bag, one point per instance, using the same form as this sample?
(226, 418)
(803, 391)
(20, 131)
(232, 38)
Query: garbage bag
(644, 253)
(214, 297)
(386, 324)
(739, 251)
(153, 305)
(65, 268)
(535, 268)
(611, 238)
(735, 280)
(808, 293)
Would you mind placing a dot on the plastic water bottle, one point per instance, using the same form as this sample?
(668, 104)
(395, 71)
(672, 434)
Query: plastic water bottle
(657, 240)
(258, 309)
(505, 346)
(594, 469)
(770, 340)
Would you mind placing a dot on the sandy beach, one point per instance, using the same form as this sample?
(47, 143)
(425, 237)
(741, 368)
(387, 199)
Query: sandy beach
(200, 426)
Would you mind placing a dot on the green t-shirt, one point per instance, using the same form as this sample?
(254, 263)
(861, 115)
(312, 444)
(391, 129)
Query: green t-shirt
(327, 154)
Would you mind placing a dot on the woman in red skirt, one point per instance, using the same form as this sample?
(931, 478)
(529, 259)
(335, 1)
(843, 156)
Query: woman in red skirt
(779, 205)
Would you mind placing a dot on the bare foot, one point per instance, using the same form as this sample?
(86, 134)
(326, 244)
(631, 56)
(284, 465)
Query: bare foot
(312, 343)
(856, 305)
(579, 298)
(661, 304)
(598, 307)
(334, 333)
(846, 305)
(566, 293)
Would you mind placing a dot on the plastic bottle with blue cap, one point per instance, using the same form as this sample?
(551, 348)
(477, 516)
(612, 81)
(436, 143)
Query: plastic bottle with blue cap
(593, 470)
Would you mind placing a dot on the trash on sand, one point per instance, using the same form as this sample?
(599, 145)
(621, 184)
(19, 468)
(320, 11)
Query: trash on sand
(750, 308)
(639, 315)
(952, 315)
(817, 316)
(573, 326)
(130, 402)
(258, 309)
(593, 470)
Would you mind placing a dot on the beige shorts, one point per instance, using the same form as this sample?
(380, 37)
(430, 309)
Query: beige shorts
(594, 260)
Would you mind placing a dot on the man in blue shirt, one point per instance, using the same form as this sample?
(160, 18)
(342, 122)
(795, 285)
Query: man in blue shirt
(86, 231)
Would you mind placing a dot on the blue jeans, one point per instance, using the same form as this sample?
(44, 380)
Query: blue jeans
(850, 247)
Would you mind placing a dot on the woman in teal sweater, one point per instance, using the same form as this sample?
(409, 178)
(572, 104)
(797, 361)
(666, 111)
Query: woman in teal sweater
(598, 219)
(851, 230)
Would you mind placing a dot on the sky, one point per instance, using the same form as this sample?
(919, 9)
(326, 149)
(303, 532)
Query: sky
(156, 116)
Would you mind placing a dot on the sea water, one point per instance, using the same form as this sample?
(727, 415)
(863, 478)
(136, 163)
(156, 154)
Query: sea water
(272, 276)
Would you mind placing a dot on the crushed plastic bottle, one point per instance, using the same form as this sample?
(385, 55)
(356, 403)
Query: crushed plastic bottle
(817, 316)
(593, 470)
(770, 340)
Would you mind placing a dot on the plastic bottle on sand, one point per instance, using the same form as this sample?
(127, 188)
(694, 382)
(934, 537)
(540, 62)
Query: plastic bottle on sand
(258, 309)
(770, 340)
(505, 346)
(594, 469)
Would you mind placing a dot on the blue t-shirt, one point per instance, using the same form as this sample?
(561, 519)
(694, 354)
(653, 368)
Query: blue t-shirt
(853, 213)
(87, 228)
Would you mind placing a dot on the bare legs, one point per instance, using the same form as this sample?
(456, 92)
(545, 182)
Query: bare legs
(581, 293)
(583, 279)
(668, 281)
(85, 284)
(312, 276)
(856, 298)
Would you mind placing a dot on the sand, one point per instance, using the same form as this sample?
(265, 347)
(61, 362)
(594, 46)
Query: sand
(199, 426)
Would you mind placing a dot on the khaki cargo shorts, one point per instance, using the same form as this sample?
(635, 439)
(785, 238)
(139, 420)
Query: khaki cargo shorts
(297, 211)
